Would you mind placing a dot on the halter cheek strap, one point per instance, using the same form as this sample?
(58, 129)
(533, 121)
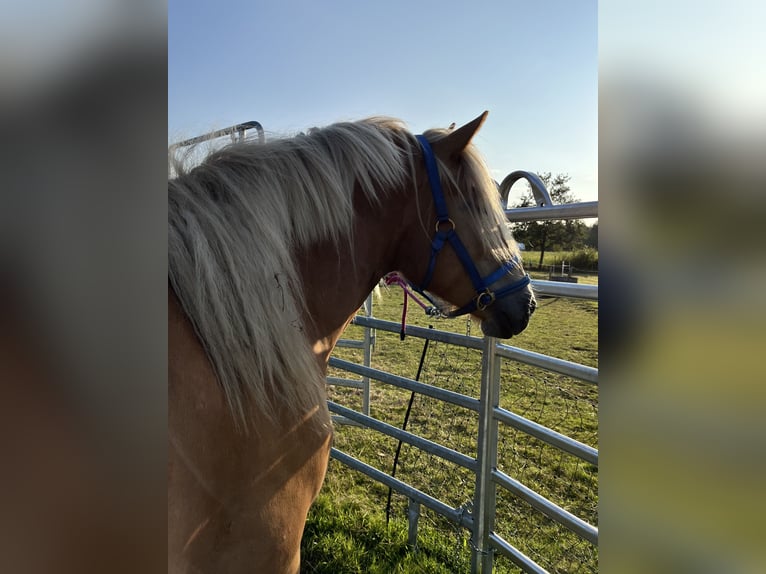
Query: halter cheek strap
(445, 233)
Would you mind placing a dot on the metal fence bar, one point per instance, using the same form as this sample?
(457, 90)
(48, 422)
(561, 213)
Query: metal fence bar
(576, 370)
(550, 509)
(553, 438)
(426, 445)
(582, 372)
(341, 382)
(582, 210)
(456, 515)
(350, 344)
(337, 419)
(409, 384)
(572, 290)
(421, 332)
(516, 555)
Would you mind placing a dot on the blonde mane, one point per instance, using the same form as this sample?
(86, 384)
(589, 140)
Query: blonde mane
(236, 221)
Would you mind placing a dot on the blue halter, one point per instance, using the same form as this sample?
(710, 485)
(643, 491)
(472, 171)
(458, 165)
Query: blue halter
(445, 232)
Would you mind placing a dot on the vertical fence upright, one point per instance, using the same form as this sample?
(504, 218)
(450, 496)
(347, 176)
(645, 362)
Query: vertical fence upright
(482, 554)
(369, 344)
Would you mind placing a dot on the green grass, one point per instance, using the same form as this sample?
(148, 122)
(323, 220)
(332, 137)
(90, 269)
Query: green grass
(346, 530)
(580, 259)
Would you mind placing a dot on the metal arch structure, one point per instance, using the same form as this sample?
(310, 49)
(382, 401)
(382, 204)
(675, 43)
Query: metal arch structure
(540, 192)
(238, 130)
(544, 209)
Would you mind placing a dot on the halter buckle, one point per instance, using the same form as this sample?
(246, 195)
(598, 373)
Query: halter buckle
(481, 299)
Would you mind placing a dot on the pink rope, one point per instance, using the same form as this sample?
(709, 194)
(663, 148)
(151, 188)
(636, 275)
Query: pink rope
(395, 279)
(404, 316)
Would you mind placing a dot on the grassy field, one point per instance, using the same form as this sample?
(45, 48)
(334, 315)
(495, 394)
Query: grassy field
(347, 532)
(582, 259)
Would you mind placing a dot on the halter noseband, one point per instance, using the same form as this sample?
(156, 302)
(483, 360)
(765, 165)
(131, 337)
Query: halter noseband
(445, 232)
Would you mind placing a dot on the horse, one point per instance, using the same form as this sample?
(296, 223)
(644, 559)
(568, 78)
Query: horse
(272, 248)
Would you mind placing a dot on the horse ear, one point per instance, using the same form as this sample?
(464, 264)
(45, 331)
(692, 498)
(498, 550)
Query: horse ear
(457, 140)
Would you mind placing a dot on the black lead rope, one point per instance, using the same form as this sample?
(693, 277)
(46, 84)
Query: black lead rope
(404, 425)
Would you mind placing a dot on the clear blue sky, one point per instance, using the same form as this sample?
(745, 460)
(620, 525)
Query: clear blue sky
(294, 64)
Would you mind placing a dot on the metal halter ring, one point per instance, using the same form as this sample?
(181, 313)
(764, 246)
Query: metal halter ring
(480, 305)
(448, 220)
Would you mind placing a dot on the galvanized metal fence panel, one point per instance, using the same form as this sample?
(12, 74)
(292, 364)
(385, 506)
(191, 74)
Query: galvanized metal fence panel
(479, 518)
(484, 539)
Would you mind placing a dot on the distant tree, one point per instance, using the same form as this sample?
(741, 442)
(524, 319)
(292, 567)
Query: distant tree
(592, 238)
(557, 235)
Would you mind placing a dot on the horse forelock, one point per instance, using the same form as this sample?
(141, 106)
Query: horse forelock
(234, 224)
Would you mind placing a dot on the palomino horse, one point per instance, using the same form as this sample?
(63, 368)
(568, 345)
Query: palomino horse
(272, 248)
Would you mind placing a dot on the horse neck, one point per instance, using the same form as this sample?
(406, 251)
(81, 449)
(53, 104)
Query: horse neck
(338, 278)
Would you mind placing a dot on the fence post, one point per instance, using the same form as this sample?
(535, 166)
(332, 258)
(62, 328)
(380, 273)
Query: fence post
(413, 514)
(369, 343)
(482, 555)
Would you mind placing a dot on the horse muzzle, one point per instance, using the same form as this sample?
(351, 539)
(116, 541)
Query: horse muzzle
(508, 317)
